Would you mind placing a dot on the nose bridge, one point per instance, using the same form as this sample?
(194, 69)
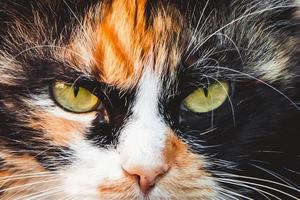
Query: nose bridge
(142, 155)
(143, 144)
(142, 139)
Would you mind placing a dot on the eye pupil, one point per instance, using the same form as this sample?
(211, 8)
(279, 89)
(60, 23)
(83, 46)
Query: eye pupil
(205, 90)
(75, 90)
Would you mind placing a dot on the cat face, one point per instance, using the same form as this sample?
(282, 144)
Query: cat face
(149, 100)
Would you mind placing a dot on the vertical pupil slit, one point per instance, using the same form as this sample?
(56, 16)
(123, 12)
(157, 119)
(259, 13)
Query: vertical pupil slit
(205, 90)
(75, 90)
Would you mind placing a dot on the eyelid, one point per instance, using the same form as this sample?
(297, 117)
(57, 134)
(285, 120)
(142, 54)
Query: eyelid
(206, 85)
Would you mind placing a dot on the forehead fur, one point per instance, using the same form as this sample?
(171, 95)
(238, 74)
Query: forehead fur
(114, 41)
(121, 43)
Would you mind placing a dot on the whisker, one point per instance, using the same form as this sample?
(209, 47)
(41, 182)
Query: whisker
(198, 23)
(276, 176)
(261, 192)
(42, 193)
(25, 175)
(234, 44)
(230, 101)
(234, 193)
(11, 60)
(261, 81)
(79, 22)
(258, 179)
(293, 171)
(228, 195)
(260, 185)
(28, 184)
(237, 20)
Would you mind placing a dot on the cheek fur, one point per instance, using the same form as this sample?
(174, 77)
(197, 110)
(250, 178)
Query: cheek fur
(22, 176)
(187, 171)
(59, 130)
(99, 174)
(115, 43)
(58, 126)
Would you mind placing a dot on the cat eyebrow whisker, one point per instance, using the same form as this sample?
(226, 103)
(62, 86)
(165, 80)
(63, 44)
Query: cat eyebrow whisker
(245, 16)
(79, 22)
(231, 49)
(234, 44)
(205, 59)
(197, 32)
(11, 60)
(263, 82)
(77, 79)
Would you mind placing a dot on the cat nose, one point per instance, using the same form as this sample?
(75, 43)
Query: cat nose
(146, 176)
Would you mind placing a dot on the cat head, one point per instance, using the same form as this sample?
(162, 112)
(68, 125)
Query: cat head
(148, 99)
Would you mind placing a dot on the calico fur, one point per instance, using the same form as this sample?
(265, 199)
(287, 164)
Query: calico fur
(142, 58)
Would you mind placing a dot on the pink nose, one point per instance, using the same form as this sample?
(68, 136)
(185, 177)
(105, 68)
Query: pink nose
(146, 176)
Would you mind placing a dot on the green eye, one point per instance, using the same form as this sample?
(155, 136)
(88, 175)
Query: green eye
(80, 100)
(201, 101)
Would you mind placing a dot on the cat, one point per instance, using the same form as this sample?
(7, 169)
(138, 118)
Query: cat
(127, 99)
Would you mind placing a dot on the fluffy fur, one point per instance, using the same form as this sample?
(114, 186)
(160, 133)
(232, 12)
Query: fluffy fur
(142, 58)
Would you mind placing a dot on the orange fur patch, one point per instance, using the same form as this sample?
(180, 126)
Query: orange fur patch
(187, 178)
(120, 44)
(59, 131)
(22, 176)
(122, 40)
(16, 173)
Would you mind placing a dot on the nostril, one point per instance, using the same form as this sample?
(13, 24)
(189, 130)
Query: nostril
(146, 177)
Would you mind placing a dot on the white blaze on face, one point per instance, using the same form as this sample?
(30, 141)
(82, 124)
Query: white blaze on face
(141, 143)
(91, 167)
(143, 136)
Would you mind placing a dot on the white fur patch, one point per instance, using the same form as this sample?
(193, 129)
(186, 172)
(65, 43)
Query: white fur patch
(273, 70)
(143, 137)
(45, 102)
(141, 143)
(92, 166)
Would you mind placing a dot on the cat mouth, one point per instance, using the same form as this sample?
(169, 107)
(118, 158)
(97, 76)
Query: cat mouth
(176, 184)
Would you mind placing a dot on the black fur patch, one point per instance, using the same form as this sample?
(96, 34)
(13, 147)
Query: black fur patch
(256, 134)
